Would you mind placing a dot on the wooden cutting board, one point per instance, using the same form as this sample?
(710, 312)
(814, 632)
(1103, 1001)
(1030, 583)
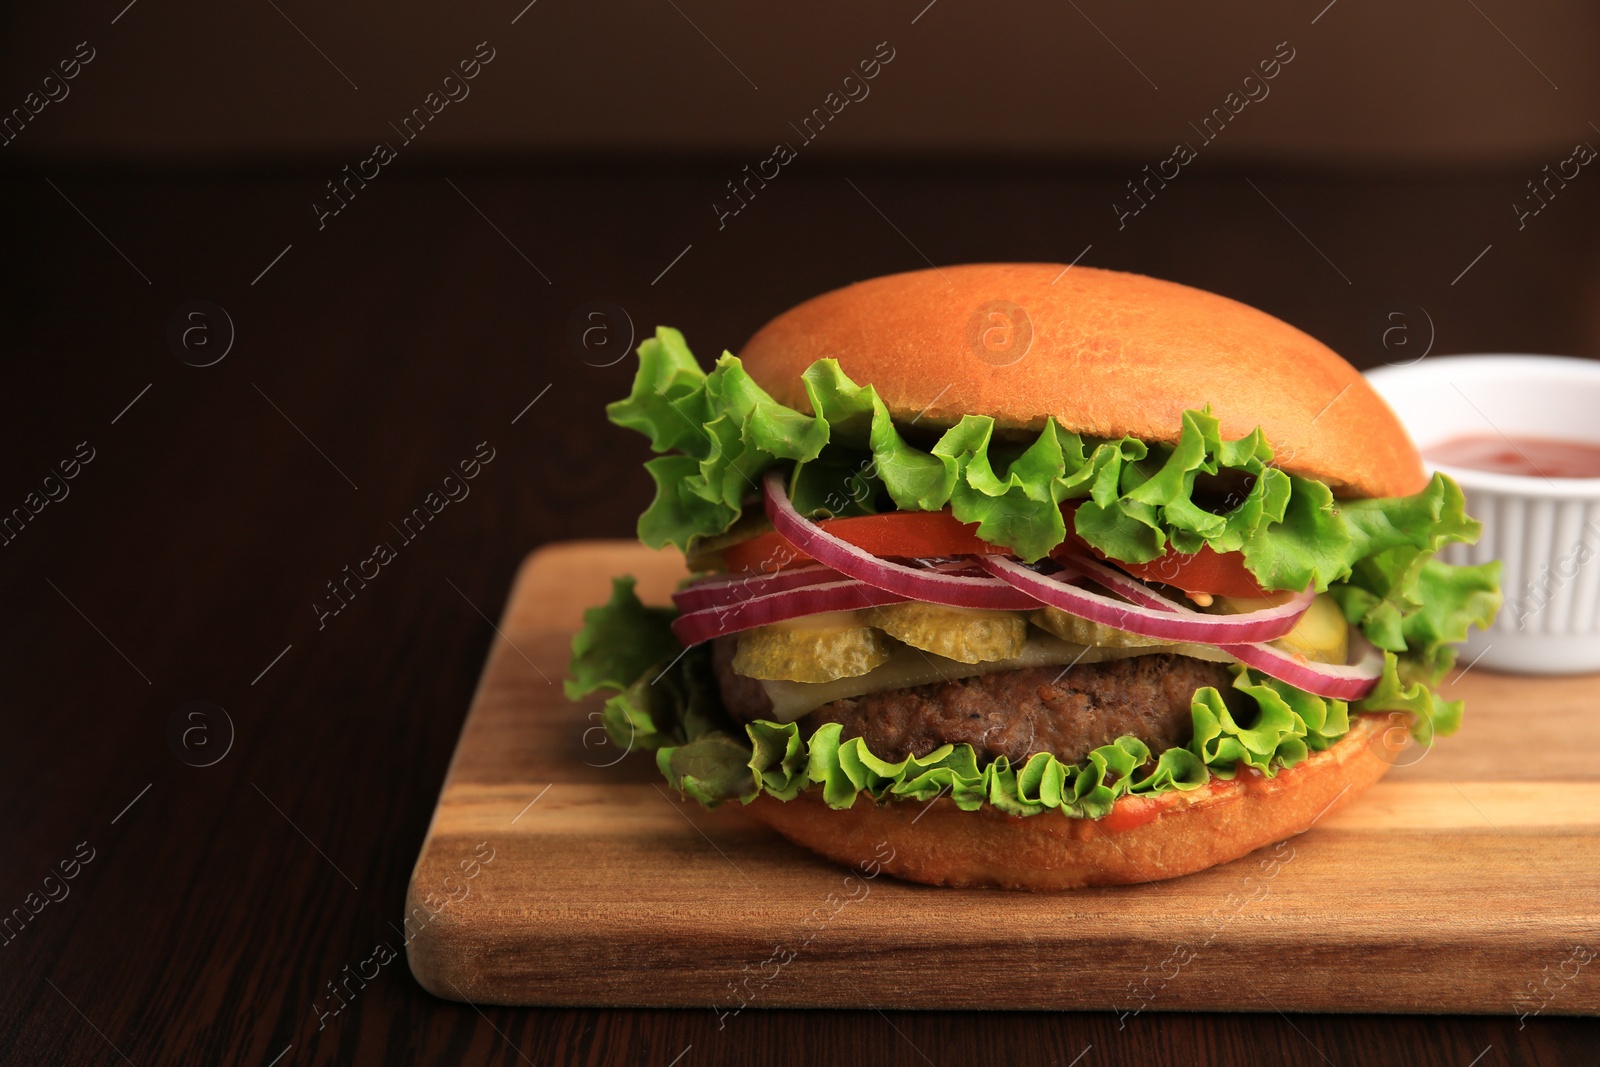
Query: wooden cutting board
(1468, 880)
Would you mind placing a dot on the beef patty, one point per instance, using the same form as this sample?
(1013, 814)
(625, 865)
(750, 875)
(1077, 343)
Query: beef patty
(1008, 713)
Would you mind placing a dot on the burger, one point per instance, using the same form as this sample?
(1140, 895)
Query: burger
(1024, 576)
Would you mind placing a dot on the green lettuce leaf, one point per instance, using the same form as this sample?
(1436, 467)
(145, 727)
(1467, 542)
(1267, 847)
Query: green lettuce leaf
(619, 640)
(1409, 603)
(702, 758)
(1287, 726)
(1134, 501)
(1321, 540)
(1430, 715)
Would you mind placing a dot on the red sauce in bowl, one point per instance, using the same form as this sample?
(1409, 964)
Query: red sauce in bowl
(1538, 457)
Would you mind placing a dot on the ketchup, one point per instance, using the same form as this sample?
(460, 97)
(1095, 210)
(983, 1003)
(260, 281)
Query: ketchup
(1539, 457)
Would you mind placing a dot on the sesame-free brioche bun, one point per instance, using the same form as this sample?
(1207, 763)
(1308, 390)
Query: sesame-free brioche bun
(939, 844)
(1108, 354)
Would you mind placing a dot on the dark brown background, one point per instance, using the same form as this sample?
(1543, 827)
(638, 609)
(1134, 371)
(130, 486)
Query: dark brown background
(412, 327)
(1435, 80)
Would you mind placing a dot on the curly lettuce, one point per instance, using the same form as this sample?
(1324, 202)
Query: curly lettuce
(722, 431)
(619, 639)
(1132, 501)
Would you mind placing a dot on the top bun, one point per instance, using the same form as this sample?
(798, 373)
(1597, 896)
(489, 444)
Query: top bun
(1108, 354)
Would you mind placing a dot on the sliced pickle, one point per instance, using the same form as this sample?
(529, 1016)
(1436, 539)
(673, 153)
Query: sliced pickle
(1321, 635)
(821, 650)
(967, 635)
(1081, 631)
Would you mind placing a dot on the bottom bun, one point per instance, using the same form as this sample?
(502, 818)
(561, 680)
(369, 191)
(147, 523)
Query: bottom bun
(1142, 840)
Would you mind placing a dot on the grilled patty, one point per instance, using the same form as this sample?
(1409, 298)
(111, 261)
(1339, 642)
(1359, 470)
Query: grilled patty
(1009, 713)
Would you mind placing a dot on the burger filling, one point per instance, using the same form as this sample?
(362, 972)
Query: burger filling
(1068, 711)
(1029, 620)
(1007, 684)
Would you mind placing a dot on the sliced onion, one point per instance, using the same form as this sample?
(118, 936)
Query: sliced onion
(732, 588)
(1342, 681)
(722, 589)
(1128, 586)
(1152, 616)
(911, 583)
(847, 595)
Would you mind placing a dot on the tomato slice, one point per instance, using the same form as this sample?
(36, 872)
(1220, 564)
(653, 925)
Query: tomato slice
(1205, 571)
(938, 533)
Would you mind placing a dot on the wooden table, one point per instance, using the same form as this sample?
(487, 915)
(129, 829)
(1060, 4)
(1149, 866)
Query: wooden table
(189, 560)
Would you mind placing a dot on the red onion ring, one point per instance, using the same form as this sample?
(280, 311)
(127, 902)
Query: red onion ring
(1150, 615)
(733, 588)
(910, 583)
(1342, 681)
(847, 595)
(1135, 590)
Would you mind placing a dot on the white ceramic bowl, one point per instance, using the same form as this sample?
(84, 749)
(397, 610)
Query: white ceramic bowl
(1546, 531)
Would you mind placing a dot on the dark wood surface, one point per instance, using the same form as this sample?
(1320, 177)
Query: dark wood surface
(377, 353)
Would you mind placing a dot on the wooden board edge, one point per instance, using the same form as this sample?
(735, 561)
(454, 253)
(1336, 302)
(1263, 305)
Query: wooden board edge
(432, 955)
(414, 898)
(453, 963)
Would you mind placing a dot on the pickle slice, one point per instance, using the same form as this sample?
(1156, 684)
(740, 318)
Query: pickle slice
(821, 652)
(967, 635)
(1081, 631)
(1321, 635)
